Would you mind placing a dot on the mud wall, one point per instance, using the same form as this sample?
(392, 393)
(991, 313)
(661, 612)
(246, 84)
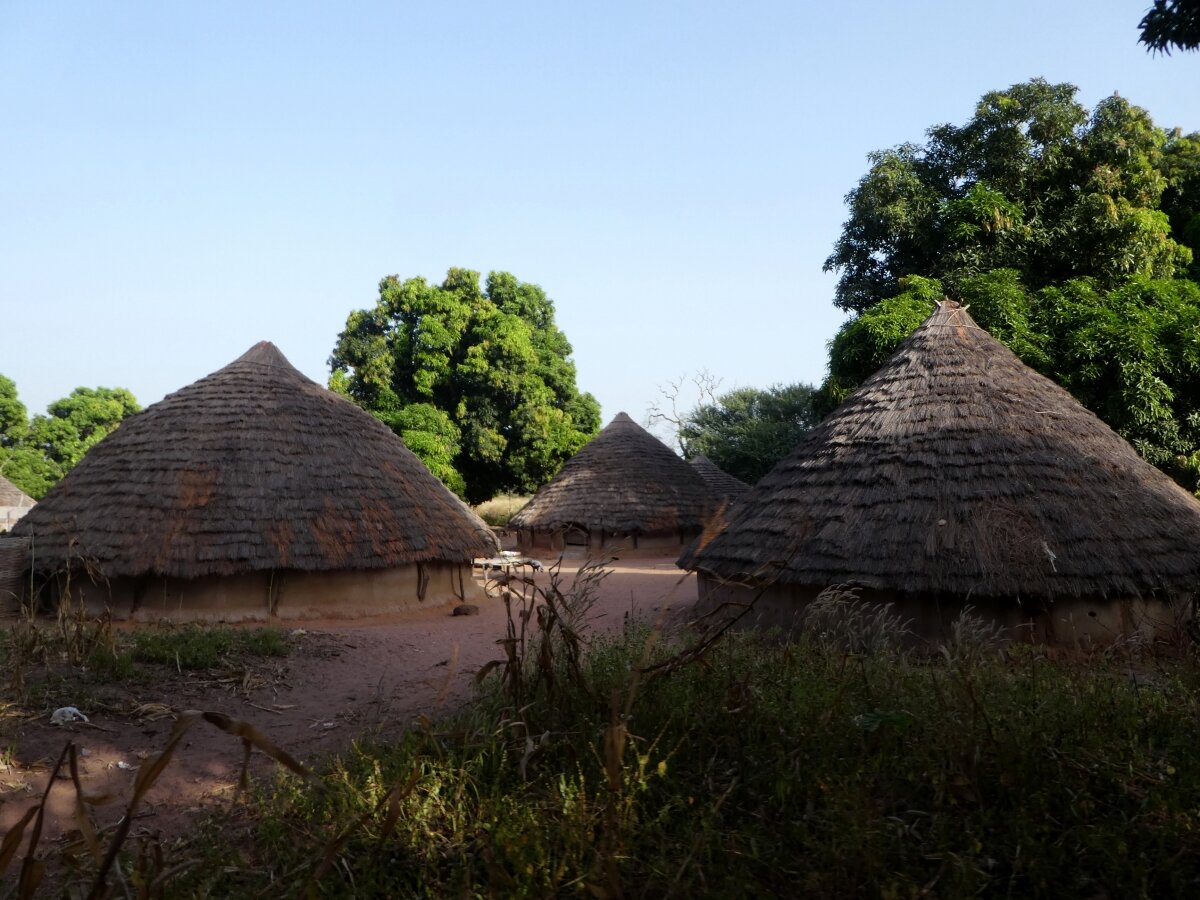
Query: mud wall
(1083, 621)
(597, 544)
(280, 595)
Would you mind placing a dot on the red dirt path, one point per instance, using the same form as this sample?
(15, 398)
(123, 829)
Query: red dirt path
(345, 677)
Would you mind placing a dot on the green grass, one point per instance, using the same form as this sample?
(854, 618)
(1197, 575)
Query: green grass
(109, 664)
(766, 769)
(37, 672)
(193, 647)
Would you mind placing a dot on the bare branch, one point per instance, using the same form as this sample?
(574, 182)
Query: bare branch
(666, 408)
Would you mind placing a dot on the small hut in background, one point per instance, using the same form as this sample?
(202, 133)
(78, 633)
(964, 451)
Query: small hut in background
(251, 494)
(722, 484)
(14, 503)
(956, 475)
(624, 492)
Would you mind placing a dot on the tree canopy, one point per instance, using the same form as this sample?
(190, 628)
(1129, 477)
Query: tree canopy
(14, 418)
(36, 454)
(1031, 182)
(1070, 236)
(478, 382)
(747, 430)
(1171, 23)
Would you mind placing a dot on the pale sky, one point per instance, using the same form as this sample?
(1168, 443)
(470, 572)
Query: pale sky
(181, 180)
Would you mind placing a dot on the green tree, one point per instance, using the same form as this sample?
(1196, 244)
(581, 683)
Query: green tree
(1070, 235)
(14, 418)
(1132, 356)
(430, 433)
(478, 382)
(29, 470)
(22, 465)
(1171, 23)
(1032, 183)
(75, 423)
(1181, 197)
(34, 455)
(747, 430)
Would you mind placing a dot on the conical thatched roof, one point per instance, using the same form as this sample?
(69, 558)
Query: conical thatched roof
(956, 470)
(623, 480)
(11, 495)
(252, 468)
(719, 481)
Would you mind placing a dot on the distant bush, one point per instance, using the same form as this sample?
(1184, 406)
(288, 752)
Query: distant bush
(497, 511)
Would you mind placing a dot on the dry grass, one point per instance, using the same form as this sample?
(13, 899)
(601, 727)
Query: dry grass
(497, 511)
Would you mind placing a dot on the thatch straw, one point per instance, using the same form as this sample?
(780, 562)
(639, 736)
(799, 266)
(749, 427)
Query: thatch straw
(14, 562)
(956, 470)
(623, 480)
(252, 468)
(721, 482)
(13, 496)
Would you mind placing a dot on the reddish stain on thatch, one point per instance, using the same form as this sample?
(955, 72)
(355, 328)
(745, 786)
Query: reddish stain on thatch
(282, 537)
(196, 486)
(332, 532)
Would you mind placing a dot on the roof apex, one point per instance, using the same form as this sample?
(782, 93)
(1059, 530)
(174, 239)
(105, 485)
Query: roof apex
(623, 479)
(264, 353)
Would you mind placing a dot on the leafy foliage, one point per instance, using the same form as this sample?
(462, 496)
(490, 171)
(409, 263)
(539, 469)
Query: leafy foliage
(1132, 356)
(1068, 234)
(865, 342)
(478, 383)
(1181, 197)
(1171, 23)
(747, 430)
(36, 454)
(1031, 183)
(14, 419)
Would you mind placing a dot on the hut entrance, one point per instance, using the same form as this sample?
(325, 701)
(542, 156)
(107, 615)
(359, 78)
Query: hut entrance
(576, 538)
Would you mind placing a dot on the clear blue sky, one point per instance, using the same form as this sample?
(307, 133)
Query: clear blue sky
(181, 180)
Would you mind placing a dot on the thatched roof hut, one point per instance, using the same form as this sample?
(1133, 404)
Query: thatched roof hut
(255, 472)
(14, 503)
(957, 474)
(721, 482)
(625, 490)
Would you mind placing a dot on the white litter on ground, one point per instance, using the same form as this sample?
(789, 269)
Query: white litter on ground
(65, 715)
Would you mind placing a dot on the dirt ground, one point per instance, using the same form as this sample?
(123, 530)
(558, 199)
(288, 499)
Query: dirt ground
(342, 678)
